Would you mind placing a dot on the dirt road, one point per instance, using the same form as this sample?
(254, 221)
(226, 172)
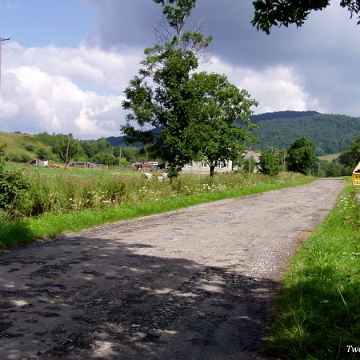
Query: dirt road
(191, 284)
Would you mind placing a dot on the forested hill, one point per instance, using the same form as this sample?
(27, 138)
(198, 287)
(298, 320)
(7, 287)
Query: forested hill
(331, 133)
(287, 114)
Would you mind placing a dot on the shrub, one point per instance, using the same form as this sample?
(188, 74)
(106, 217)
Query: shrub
(29, 148)
(269, 163)
(12, 189)
(18, 158)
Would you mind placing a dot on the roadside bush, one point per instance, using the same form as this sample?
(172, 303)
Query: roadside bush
(13, 187)
(269, 163)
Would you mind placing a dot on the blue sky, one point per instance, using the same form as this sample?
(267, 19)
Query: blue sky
(69, 61)
(37, 23)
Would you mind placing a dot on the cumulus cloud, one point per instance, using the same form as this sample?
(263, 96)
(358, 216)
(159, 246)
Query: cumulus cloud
(275, 88)
(83, 97)
(323, 53)
(80, 90)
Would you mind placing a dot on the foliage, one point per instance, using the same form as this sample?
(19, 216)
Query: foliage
(19, 158)
(270, 162)
(317, 310)
(301, 157)
(248, 165)
(104, 158)
(351, 157)
(167, 107)
(30, 148)
(186, 108)
(42, 154)
(330, 133)
(216, 134)
(270, 13)
(12, 189)
(286, 114)
(2, 157)
(65, 147)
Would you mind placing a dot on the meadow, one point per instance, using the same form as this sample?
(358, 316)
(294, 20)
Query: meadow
(59, 200)
(329, 157)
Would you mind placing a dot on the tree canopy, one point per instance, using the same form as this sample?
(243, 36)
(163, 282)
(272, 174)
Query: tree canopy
(215, 130)
(351, 157)
(188, 107)
(270, 13)
(301, 157)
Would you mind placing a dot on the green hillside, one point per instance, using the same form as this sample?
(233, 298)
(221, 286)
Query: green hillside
(24, 147)
(331, 133)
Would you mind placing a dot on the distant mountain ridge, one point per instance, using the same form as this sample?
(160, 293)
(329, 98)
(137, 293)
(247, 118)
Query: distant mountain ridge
(330, 133)
(287, 114)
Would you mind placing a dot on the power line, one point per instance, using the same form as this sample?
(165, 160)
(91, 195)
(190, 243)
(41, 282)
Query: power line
(1, 40)
(63, 69)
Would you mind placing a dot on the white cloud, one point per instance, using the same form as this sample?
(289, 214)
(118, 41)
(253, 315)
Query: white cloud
(276, 88)
(7, 109)
(39, 96)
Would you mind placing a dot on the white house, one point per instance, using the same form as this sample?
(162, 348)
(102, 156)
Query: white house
(204, 168)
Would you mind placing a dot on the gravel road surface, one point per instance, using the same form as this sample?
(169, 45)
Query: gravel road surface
(197, 283)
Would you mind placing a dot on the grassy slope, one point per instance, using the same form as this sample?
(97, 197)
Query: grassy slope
(16, 143)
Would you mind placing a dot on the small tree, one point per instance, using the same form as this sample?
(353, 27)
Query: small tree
(269, 162)
(65, 147)
(249, 165)
(351, 157)
(301, 156)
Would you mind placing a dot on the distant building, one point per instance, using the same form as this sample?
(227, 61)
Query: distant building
(43, 163)
(85, 165)
(203, 167)
(251, 154)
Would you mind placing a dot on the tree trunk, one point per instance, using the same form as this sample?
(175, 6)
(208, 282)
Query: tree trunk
(212, 169)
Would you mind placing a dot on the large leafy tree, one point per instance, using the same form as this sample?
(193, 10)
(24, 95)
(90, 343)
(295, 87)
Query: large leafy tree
(177, 102)
(301, 156)
(270, 13)
(216, 133)
(168, 105)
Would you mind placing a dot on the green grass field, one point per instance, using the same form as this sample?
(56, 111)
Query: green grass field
(329, 157)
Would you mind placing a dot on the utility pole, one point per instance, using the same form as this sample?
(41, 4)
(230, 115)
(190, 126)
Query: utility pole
(119, 156)
(1, 40)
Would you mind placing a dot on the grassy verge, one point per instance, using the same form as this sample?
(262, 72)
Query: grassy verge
(49, 225)
(317, 313)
